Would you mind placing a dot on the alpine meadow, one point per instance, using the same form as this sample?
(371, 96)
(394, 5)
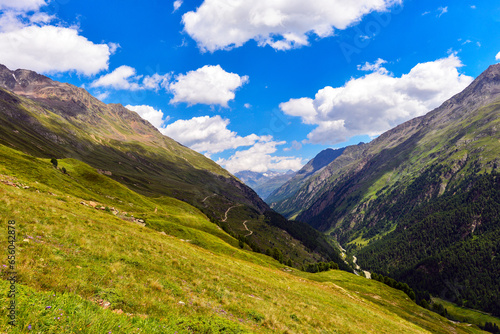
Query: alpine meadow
(222, 166)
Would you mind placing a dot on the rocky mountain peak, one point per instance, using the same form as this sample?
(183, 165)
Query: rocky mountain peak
(483, 90)
(23, 81)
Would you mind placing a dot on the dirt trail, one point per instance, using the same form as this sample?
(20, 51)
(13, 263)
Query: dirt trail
(227, 211)
(208, 197)
(246, 227)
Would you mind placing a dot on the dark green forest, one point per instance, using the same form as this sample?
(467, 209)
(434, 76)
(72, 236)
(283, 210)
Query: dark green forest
(449, 246)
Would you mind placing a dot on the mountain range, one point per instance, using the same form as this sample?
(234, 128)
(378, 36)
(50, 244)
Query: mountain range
(264, 183)
(421, 202)
(290, 188)
(49, 119)
(121, 229)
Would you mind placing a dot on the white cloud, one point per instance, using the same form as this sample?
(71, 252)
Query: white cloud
(28, 41)
(150, 114)
(113, 47)
(259, 158)
(207, 85)
(177, 4)
(247, 105)
(52, 49)
(123, 77)
(156, 81)
(24, 5)
(126, 78)
(208, 134)
(442, 10)
(375, 67)
(378, 101)
(101, 96)
(224, 24)
(295, 146)
(11, 21)
(497, 57)
(473, 7)
(39, 17)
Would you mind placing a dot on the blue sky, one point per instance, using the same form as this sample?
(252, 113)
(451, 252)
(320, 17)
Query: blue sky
(262, 84)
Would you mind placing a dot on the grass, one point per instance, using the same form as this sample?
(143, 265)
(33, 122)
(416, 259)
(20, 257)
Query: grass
(360, 241)
(100, 272)
(466, 315)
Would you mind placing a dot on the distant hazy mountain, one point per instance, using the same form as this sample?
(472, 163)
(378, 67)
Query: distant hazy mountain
(422, 201)
(264, 183)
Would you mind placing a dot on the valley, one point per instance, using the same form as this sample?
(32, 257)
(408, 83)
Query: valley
(97, 251)
(420, 203)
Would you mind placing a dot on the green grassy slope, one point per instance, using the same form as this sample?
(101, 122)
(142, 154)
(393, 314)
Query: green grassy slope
(49, 119)
(83, 270)
(466, 315)
(64, 121)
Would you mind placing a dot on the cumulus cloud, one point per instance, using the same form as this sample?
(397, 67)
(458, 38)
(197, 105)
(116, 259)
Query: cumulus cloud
(295, 146)
(208, 134)
(150, 114)
(126, 78)
(259, 158)
(207, 85)
(377, 101)
(121, 78)
(52, 49)
(156, 81)
(224, 24)
(375, 67)
(24, 5)
(28, 41)
(497, 56)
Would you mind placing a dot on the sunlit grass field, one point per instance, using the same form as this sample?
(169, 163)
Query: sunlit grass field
(82, 270)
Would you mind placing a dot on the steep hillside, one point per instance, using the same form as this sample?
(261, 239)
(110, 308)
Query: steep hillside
(264, 183)
(278, 199)
(50, 119)
(158, 265)
(428, 190)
